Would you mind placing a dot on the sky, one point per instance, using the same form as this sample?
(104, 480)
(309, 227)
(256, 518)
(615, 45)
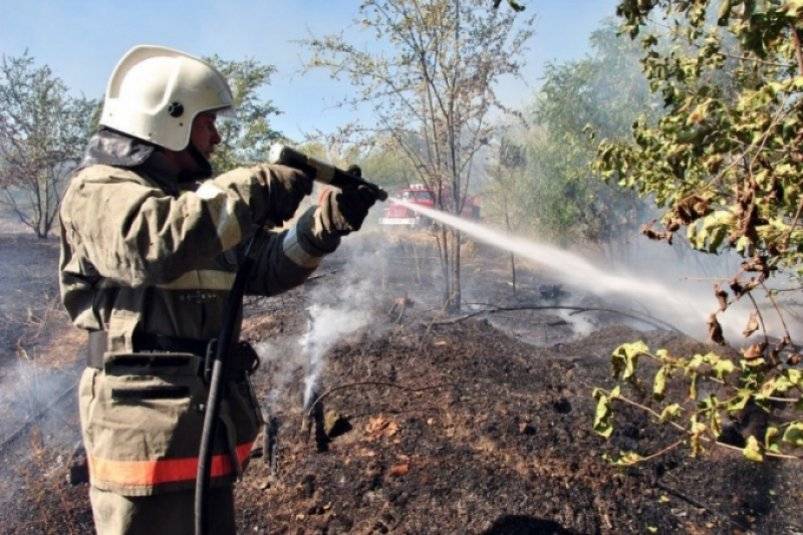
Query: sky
(82, 42)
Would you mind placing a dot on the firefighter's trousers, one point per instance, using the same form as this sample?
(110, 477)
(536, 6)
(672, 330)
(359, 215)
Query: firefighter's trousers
(171, 512)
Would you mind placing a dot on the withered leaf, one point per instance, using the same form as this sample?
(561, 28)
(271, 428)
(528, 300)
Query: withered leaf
(736, 287)
(752, 325)
(379, 426)
(775, 352)
(740, 288)
(756, 263)
(673, 224)
(754, 351)
(715, 330)
(653, 234)
(794, 359)
(722, 297)
(691, 208)
(399, 469)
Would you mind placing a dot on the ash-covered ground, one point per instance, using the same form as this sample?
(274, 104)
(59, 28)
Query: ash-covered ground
(437, 424)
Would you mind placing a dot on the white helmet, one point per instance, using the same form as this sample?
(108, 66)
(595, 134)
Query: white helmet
(155, 93)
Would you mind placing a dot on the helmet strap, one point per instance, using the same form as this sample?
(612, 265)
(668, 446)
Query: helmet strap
(204, 168)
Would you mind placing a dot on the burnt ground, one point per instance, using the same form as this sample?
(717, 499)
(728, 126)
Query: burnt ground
(40, 356)
(440, 425)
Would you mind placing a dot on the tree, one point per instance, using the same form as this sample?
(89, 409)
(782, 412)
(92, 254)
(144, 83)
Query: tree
(385, 166)
(247, 134)
(599, 95)
(725, 160)
(430, 81)
(43, 132)
(508, 197)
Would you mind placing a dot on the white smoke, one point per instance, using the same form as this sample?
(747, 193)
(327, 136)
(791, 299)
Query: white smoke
(286, 360)
(341, 303)
(329, 323)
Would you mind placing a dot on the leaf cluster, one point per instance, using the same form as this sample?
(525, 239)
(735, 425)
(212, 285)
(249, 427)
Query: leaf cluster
(725, 159)
(718, 389)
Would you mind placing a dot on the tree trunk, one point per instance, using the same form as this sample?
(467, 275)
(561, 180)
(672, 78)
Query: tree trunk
(512, 256)
(513, 273)
(443, 250)
(455, 296)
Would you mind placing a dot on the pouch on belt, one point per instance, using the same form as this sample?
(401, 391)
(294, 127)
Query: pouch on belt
(142, 416)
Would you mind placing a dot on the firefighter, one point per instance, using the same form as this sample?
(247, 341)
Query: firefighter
(150, 245)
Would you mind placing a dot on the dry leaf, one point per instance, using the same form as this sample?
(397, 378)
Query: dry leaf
(391, 429)
(399, 469)
(722, 297)
(775, 353)
(736, 287)
(739, 288)
(754, 351)
(380, 426)
(691, 208)
(756, 263)
(752, 324)
(715, 330)
(375, 426)
(653, 234)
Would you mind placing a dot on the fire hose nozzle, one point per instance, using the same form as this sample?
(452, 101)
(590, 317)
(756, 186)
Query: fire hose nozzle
(320, 171)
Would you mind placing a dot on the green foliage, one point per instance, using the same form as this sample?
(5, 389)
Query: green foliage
(625, 359)
(725, 160)
(43, 132)
(247, 134)
(729, 388)
(603, 417)
(729, 141)
(557, 194)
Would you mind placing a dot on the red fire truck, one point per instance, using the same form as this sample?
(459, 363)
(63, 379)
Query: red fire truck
(398, 215)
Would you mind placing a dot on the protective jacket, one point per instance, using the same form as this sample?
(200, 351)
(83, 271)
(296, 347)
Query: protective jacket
(145, 257)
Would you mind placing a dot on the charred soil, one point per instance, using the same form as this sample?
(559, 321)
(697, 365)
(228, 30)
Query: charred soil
(433, 426)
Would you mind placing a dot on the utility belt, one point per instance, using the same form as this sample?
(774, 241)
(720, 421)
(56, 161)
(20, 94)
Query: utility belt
(150, 348)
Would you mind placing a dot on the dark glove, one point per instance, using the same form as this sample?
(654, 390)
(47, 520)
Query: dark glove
(338, 213)
(344, 212)
(286, 187)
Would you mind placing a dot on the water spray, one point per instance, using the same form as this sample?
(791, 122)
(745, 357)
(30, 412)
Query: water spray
(579, 272)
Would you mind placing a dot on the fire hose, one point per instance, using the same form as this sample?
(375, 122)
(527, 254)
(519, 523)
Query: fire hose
(320, 172)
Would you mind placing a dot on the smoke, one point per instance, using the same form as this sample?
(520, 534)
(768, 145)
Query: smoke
(341, 303)
(582, 324)
(28, 389)
(337, 312)
(286, 359)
